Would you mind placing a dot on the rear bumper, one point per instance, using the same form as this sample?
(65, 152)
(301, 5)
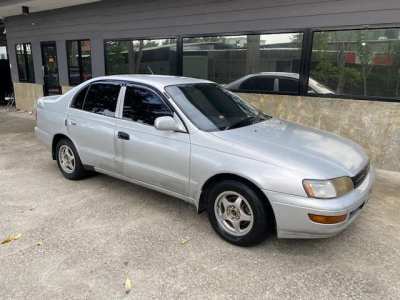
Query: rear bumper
(291, 212)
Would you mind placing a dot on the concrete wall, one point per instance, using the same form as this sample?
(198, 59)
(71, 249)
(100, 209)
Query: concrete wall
(374, 125)
(26, 95)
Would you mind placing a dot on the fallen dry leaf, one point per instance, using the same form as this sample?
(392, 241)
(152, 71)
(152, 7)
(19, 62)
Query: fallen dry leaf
(185, 241)
(128, 285)
(12, 237)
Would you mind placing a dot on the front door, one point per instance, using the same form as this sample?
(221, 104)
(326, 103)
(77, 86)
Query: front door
(50, 69)
(146, 154)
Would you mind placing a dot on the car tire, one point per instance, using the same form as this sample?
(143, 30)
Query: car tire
(68, 160)
(238, 213)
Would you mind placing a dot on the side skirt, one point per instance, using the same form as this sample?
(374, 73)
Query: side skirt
(146, 185)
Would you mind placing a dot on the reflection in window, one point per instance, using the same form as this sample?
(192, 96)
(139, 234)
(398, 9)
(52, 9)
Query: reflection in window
(141, 57)
(25, 62)
(358, 62)
(79, 61)
(224, 59)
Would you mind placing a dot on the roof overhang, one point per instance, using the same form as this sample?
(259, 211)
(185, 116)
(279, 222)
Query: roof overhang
(14, 7)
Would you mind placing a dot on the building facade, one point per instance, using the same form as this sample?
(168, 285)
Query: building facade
(333, 65)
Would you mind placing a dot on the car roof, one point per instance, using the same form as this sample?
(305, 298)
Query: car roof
(158, 81)
(278, 74)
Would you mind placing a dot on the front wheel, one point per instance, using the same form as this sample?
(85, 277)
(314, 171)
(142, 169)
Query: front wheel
(68, 160)
(238, 213)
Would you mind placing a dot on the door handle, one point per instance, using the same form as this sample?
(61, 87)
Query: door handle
(70, 122)
(123, 136)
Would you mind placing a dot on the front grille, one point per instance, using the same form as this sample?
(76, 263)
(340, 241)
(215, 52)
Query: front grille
(360, 177)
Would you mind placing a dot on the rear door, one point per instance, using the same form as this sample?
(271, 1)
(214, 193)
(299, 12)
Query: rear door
(146, 154)
(91, 123)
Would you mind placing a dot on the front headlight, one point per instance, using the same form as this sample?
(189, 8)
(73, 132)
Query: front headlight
(327, 189)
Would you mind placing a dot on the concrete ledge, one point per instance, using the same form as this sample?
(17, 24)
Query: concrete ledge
(26, 95)
(374, 125)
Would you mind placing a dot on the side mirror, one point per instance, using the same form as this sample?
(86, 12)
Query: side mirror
(168, 124)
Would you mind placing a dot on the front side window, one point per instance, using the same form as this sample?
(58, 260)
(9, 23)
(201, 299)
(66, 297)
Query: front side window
(143, 106)
(102, 98)
(141, 56)
(25, 62)
(364, 62)
(79, 61)
(212, 108)
(226, 59)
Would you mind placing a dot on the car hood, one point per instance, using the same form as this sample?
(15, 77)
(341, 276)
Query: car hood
(311, 152)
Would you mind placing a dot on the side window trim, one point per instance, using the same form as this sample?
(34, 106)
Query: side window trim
(121, 100)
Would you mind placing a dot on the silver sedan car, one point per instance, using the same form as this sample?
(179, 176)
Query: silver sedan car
(192, 139)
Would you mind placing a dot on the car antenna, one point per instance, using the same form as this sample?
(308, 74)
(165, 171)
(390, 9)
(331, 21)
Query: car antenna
(150, 70)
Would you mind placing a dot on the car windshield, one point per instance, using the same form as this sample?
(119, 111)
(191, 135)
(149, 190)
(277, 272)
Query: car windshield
(212, 108)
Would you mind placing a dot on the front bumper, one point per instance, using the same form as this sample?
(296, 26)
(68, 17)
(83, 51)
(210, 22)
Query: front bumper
(291, 212)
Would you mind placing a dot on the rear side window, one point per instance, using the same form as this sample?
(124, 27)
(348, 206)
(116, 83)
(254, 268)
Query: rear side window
(102, 98)
(79, 98)
(258, 83)
(143, 106)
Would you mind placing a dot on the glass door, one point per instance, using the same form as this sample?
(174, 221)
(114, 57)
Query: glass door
(50, 69)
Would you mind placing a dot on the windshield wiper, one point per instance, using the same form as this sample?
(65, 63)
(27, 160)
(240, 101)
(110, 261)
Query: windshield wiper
(242, 122)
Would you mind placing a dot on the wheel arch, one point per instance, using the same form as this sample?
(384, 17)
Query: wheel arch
(202, 204)
(56, 138)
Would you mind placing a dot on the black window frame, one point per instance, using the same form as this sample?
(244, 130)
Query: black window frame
(27, 65)
(79, 41)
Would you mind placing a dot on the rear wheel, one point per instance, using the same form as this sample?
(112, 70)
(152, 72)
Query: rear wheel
(68, 160)
(238, 213)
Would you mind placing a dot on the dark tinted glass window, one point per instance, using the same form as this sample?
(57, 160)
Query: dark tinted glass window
(141, 56)
(79, 61)
(143, 106)
(102, 98)
(25, 62)
(288, 85)
(79, 98)
(363, 62)
(258, 83)
(225, 59)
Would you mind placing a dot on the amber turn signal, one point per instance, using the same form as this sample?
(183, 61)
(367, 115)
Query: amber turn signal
(327, 219)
